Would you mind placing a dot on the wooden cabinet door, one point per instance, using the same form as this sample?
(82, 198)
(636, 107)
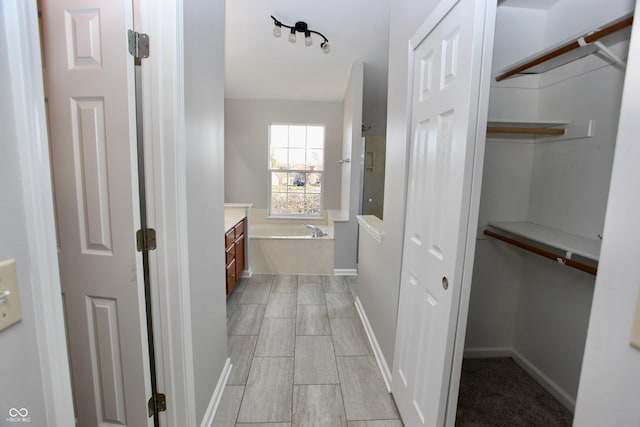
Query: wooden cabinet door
(239, 256)
(231, 276)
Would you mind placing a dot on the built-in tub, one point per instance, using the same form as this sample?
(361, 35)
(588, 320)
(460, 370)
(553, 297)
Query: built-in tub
(289, 248)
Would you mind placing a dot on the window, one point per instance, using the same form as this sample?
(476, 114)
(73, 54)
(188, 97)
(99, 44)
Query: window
(296, 159)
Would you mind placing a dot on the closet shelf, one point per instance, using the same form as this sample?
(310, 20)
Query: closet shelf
(568, 51)
(549, 129)
(570, 244)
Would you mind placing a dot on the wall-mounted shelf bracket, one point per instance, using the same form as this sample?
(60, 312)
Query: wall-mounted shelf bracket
(604, 51)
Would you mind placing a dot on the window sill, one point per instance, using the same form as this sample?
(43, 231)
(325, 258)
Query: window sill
(300, 217)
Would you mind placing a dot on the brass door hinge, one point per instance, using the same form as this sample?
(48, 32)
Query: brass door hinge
(157, 403)
(146, 239)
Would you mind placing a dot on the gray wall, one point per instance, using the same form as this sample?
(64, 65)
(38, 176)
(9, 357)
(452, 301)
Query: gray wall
(247, 145)
(21, 385)
(204, 122)
(379, 293)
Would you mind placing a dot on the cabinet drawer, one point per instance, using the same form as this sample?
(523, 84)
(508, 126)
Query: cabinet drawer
(230, 253)
(239, 228)
(229, 237)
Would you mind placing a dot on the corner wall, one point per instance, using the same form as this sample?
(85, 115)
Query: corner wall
(33, 361)
(609, 387)
(204, 125)
(19, 361)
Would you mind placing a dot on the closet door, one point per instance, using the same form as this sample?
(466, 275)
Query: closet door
(447, 80)
(89, 85)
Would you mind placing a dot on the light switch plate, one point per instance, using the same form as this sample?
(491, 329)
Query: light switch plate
(10, 310)
(635, 328)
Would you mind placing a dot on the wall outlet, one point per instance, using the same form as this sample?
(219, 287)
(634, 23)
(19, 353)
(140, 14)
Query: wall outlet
(10, 309)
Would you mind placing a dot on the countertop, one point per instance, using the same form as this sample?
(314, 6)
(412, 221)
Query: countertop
(234, 213)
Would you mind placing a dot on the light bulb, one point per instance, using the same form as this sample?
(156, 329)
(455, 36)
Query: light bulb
(307, 39)
(277, 31)
(325, 47)
(292, 36)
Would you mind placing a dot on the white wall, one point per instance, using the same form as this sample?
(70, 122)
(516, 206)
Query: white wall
(346, 232)
(21, 385)
(33, 360)
(247, 145)
(204, 124)
(609, 386)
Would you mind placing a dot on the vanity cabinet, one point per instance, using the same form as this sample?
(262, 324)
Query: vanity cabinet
(234, 239)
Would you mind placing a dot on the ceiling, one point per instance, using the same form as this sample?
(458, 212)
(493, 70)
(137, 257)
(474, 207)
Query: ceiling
(261, 66)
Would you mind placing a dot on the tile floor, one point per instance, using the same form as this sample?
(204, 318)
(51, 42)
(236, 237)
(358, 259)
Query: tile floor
(301, 357)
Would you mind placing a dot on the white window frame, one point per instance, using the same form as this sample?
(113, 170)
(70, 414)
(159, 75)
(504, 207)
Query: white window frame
(304, 171)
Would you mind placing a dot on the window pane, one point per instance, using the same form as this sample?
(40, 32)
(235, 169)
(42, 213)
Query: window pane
(314, 183)
(279, 158)
(297, 136)
(315, 159)
(312, 205)
(296, 158)
(278, 182)
(296, 204)
(315, 136)
(279, 135)
(297, 182)
(279, 203)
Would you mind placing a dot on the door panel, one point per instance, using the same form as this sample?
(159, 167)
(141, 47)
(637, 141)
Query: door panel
(443, 123)
(89, 86)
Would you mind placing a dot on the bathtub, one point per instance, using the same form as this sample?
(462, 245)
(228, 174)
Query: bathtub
(289, 248)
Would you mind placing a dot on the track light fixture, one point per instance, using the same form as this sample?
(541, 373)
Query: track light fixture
(300, 27)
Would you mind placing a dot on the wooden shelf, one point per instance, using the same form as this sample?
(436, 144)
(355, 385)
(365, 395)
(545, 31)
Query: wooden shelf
(548, 129)
(569, 243)
(565, 52)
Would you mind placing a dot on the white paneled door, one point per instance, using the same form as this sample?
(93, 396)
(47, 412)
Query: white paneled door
(447, 59)
(89, 86)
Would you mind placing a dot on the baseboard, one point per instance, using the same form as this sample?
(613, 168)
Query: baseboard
(209, 416)
(345, 271)
(549, 385)
(382, 363)
(487, 352)
(246, 274)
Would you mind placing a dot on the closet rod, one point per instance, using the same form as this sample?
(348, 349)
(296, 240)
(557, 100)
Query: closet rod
(527, 131)
(563, 260)
(568, 47)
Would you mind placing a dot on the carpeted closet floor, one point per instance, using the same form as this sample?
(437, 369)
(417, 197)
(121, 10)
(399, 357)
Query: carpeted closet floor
(497, 392)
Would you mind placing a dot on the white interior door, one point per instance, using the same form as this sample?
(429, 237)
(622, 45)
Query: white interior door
(91, 105)
(447, 59)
